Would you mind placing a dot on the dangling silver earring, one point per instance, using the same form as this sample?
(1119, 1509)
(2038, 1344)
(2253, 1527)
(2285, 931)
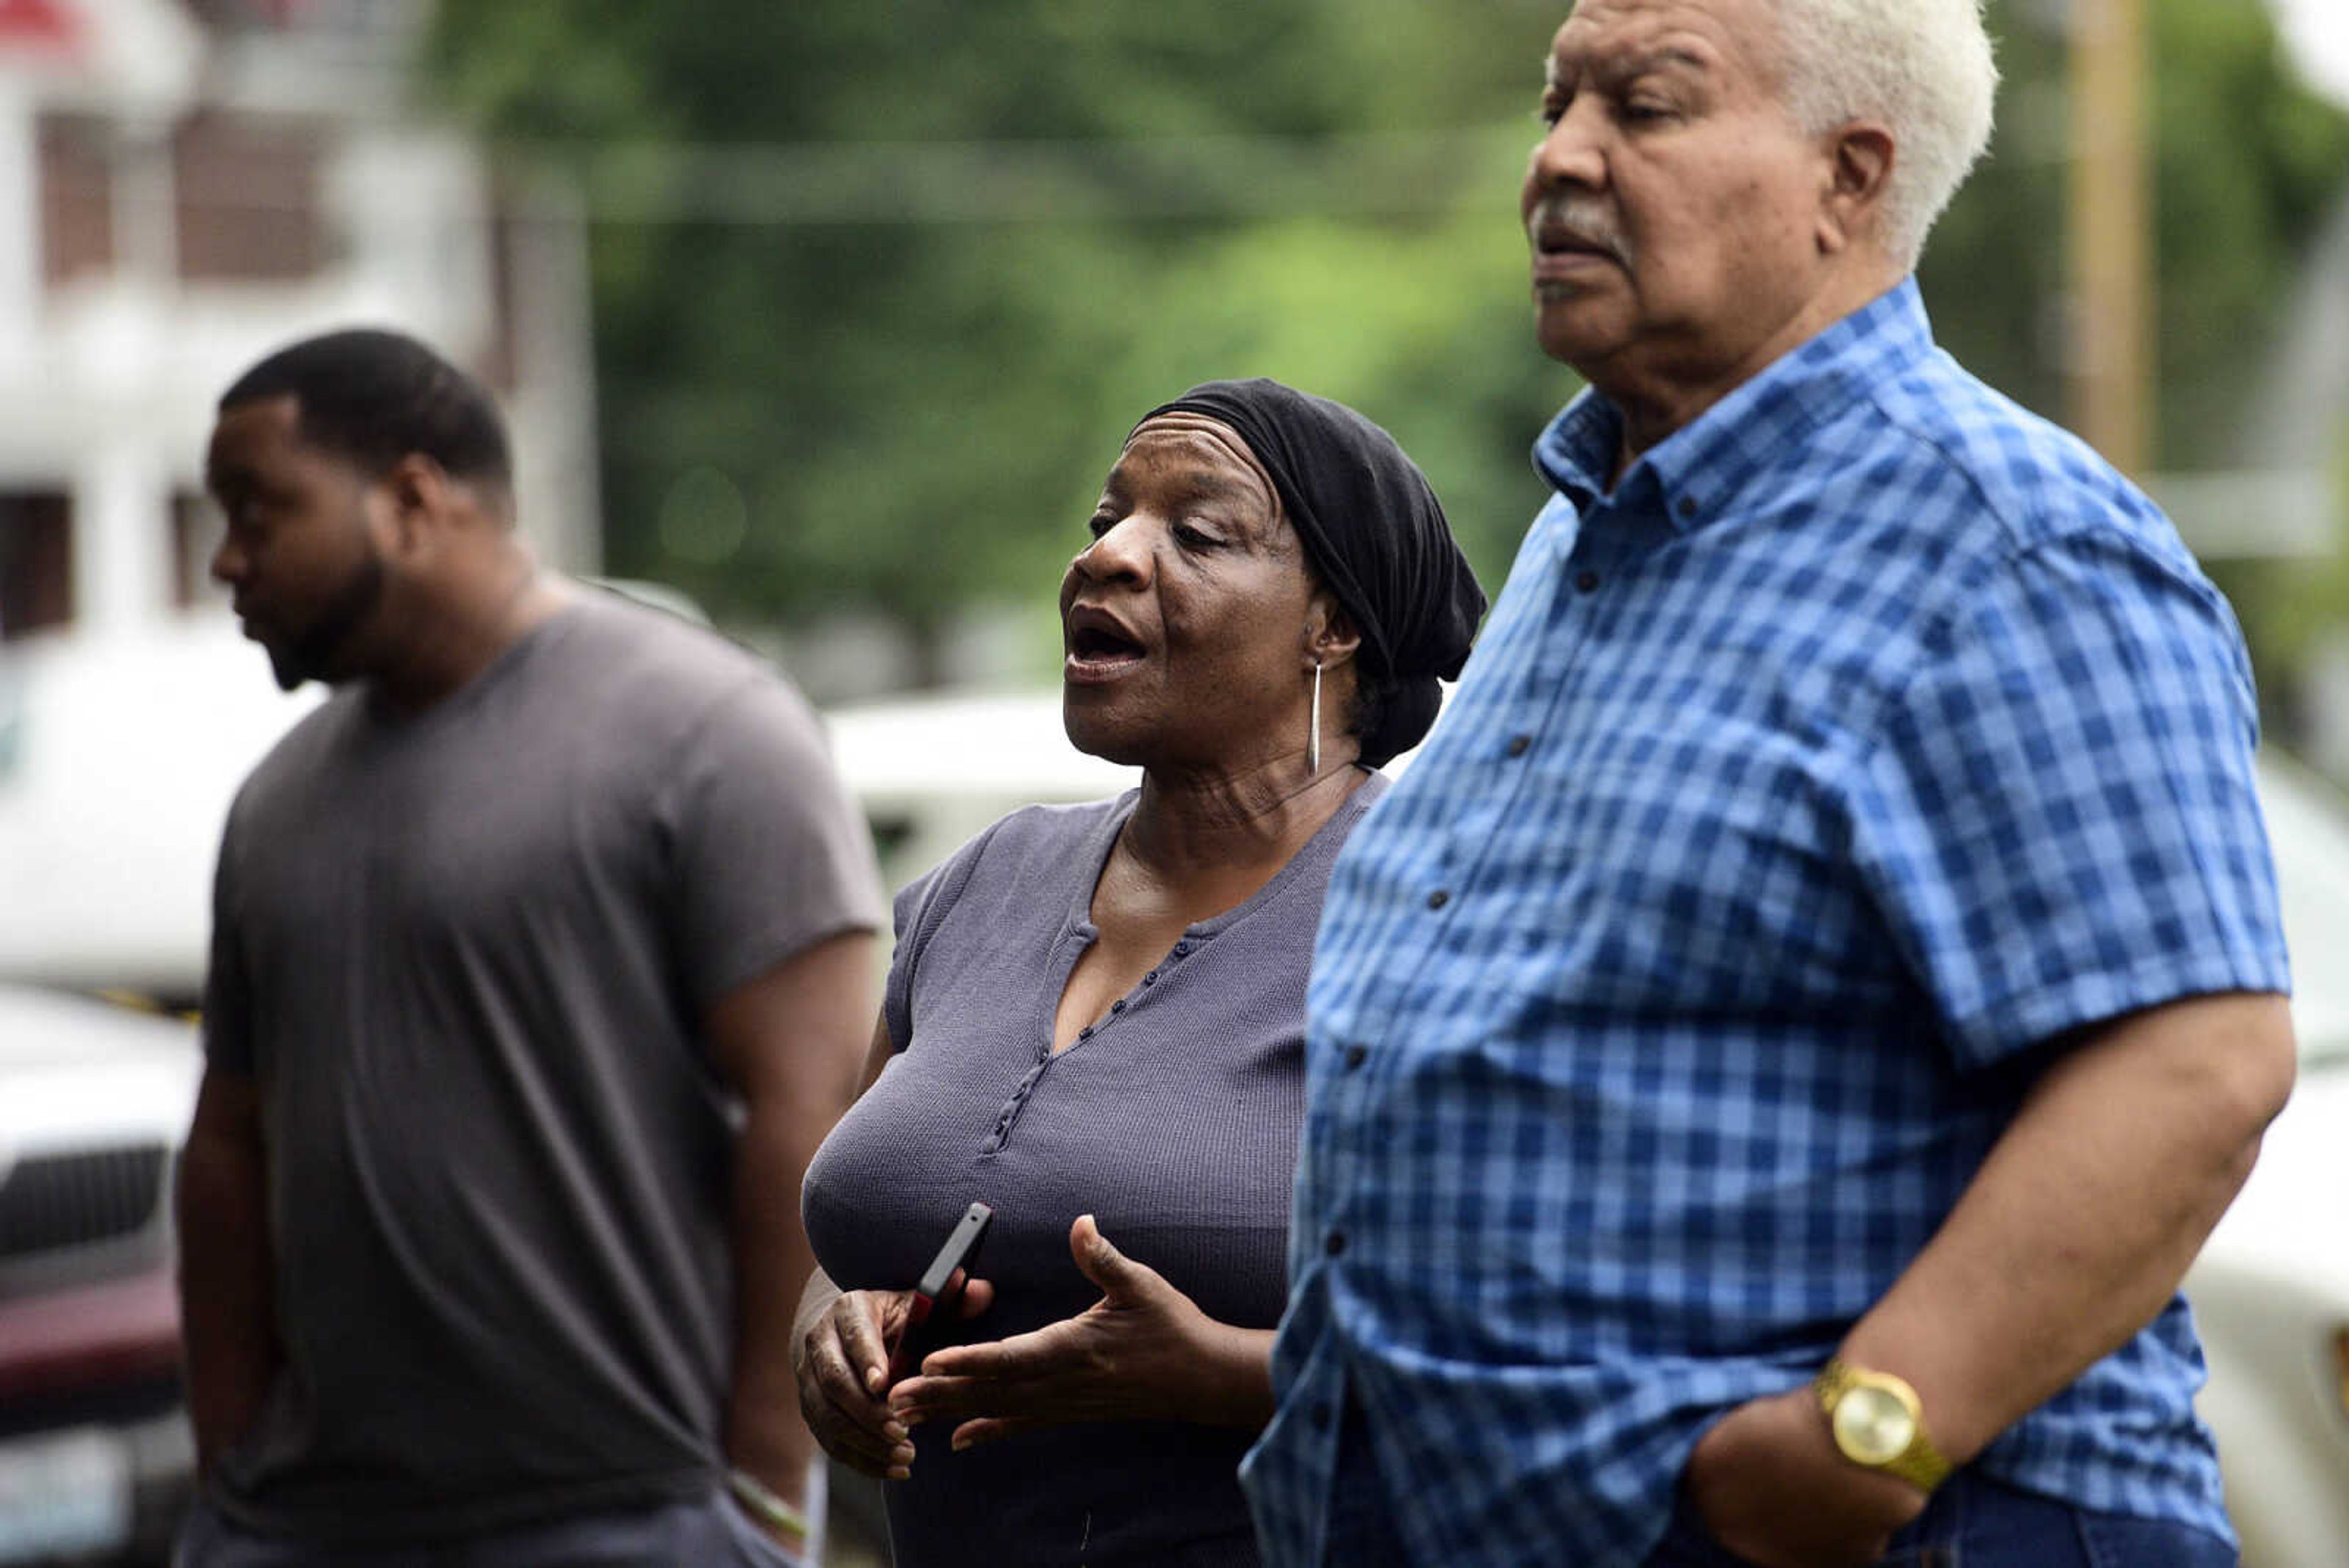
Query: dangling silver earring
(1313, 740)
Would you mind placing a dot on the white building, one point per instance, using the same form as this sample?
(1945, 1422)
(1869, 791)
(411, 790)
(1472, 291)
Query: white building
(184, 185)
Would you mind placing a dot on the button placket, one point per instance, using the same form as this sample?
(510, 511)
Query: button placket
(1021, 1092)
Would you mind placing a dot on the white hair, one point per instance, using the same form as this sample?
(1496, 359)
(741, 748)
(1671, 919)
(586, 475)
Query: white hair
(1922, 69)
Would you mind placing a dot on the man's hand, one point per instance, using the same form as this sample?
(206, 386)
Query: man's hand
(840, 1353)
(1768, 1483)
(228, 1311)
(1143, 1352)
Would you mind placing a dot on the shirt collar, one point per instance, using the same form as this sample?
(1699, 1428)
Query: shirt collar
(1704, 462)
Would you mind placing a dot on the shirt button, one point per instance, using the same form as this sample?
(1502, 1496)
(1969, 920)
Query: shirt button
(1438, 898)
(1588, 582)
(1181, 947)
(1356, 1056)
(1086, 1032)
(1118, 1006)
(1150, 979)
(1520, 744)
(1336, 1244)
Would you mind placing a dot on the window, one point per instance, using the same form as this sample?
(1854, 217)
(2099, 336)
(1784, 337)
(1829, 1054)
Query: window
(76, 198)
(36, 562)
(248, 199)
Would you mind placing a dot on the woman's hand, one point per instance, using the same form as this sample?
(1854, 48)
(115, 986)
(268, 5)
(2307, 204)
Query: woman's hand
(1142, 1352)
(840, 1353)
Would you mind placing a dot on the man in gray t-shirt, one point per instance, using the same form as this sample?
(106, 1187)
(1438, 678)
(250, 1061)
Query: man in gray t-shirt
(541, 966)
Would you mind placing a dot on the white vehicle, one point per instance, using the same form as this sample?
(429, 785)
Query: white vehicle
(2271, 1291)
(930, 771)
(94, 1454)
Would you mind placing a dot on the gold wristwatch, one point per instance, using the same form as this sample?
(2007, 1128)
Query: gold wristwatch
(1878, 1424)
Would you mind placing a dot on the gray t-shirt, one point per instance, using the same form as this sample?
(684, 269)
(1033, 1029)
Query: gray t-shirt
(465, 955)
(1174, 1122)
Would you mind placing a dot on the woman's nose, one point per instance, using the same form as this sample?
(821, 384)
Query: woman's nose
(1120, 552)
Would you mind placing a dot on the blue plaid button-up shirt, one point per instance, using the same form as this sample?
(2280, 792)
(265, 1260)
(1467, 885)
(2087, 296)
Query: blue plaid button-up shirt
(1870, 735)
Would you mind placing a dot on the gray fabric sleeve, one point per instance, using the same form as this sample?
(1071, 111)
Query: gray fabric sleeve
(921, 905)
(228, 1016)
(767, 854)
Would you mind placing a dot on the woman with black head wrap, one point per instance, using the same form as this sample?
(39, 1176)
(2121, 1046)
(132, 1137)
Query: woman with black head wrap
(1094, 1020)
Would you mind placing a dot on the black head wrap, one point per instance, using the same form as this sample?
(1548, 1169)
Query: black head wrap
(1375, 534)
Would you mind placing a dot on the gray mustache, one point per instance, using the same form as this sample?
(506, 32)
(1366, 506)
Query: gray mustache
(1587, 221)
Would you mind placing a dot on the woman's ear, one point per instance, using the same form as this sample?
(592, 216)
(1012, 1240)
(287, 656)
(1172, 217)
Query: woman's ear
(1330, 635)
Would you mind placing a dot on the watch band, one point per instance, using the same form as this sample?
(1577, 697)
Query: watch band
(1918, 1463)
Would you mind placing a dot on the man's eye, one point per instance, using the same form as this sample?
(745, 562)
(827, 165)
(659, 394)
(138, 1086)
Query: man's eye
(1194, 537)
(1101, 522)
(1552, 110)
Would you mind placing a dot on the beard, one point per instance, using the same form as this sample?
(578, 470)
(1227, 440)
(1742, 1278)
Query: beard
(311, 653)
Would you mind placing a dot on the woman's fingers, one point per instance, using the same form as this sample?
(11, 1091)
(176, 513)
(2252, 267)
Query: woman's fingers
(874, 1453)
(930, 1397)
(838, 1393)
(842, 1357)
(857, 1316)
(1039, 1353)
(860, 1431)
(1120, 1279)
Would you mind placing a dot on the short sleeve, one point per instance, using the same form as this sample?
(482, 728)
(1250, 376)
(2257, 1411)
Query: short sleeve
(228, 1012)
(769, 855)
(922, 905)
(2059, 821)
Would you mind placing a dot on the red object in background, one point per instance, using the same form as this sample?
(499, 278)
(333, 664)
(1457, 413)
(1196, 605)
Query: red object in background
(45, 24)
(120, 1330)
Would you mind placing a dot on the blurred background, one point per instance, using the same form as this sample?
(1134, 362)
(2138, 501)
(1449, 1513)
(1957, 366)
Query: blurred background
(829, 315)
(832, 314)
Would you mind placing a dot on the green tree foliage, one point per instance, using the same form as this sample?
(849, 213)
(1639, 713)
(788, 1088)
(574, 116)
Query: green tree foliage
(884, 361)
(2246, 163)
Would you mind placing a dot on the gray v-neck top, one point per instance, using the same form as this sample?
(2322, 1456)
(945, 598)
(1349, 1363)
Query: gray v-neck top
(1172, 1119)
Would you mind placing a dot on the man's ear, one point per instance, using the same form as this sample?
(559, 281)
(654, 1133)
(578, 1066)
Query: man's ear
(1330, 635)
(422, 496)
(1860, 156)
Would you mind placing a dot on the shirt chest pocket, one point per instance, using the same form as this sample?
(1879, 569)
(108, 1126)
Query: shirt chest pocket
(1709, 870)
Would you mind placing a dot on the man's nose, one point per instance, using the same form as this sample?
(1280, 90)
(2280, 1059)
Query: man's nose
(1572, 152)
(228, 563)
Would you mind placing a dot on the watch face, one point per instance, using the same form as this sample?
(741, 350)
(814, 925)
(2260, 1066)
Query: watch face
(1872, 1425)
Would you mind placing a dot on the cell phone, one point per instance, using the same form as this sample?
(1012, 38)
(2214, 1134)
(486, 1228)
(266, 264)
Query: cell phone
(939, 1292)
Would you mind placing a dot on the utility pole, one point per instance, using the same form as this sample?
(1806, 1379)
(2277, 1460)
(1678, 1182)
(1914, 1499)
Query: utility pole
(2110, 234)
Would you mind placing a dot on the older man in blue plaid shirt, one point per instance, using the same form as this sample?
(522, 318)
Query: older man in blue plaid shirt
(1773, 1055)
